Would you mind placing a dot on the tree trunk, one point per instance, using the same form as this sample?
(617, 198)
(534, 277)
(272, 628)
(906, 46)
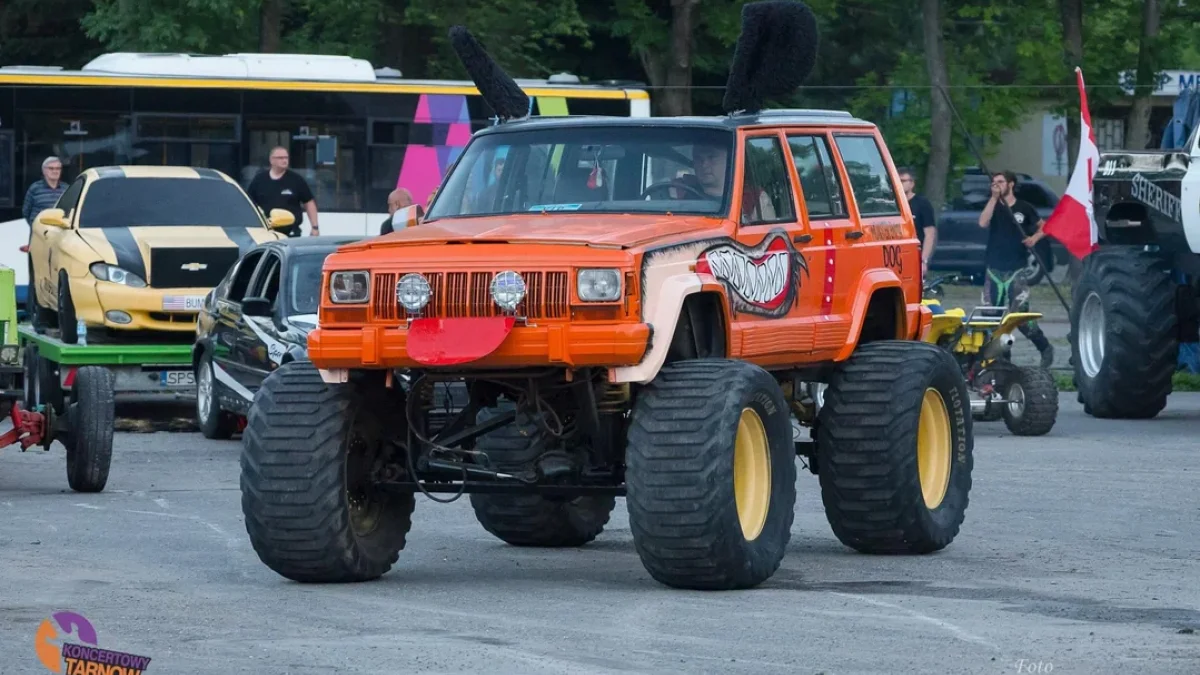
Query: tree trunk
(270, 26)
(671, 74)
(938, 166)
(1137, 125)
(1072, 38)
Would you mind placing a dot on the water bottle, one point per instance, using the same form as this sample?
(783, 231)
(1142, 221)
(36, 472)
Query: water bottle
(81, 331)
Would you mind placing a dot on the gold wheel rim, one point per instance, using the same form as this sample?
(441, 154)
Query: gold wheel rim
(751, 474)
(933, 448)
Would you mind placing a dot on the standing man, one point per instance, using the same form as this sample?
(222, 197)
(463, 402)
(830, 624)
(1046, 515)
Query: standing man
(922, 210)
(1013, 228)
(44, 193)
(400, 198)
(281, 188)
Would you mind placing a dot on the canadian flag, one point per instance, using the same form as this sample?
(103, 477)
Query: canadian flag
(1073, 221)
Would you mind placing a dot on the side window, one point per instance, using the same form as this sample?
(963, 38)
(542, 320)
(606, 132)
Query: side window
(70, 198)
(818, 177)
(266, 280)
(869, 180)
(766, 190)
(241, 277)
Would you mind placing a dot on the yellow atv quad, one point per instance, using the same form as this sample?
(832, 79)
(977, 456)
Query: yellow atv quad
(1026, 397)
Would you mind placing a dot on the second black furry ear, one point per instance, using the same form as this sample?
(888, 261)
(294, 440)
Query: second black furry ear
(500, 91)
(775, 53)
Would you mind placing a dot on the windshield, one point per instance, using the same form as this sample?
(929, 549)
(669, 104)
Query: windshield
(128, 202)
(589, 169)
(304, 281)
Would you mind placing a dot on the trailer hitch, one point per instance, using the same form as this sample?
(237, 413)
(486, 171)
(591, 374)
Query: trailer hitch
(30, 427)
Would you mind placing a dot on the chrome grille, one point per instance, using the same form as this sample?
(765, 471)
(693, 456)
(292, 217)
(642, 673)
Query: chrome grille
(468, 294)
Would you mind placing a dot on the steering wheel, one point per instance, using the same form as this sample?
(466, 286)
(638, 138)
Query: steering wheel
(672, 184)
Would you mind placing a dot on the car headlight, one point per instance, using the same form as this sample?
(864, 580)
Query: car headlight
(413, 292)
(349, 288)
(599, 285)
(106, 272)
(508, 290)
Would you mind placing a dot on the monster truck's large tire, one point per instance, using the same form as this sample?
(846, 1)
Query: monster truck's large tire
(532, 520)
(1032, 396)
(711, 475)
(90, 439)
(1124, 342)
(309, 509)
(895, 448)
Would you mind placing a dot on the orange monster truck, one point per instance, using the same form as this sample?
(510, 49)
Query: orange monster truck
(637, 308)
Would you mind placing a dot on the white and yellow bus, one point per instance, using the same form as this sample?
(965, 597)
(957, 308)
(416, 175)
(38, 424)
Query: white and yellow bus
(355, 132)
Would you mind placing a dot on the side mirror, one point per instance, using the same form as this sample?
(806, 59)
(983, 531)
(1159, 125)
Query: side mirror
(53, 218)
(256, 306)
(281, 218)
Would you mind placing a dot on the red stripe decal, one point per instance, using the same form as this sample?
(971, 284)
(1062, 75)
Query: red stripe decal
(830, 269)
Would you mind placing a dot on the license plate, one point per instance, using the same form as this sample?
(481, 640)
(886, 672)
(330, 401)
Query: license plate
(182, 303)
(177, 378)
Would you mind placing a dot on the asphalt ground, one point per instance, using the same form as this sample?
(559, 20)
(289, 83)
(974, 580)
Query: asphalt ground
(1080, 554)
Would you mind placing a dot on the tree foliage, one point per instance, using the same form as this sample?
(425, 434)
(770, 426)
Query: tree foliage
(1004, 58)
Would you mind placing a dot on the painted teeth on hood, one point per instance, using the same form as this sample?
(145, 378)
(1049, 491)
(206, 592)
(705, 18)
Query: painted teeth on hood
(761, 283)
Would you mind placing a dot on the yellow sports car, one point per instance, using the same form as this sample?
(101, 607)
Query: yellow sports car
(138, 247)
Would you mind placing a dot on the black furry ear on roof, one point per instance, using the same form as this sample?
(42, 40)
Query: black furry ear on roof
(776, 51)
(499, 90)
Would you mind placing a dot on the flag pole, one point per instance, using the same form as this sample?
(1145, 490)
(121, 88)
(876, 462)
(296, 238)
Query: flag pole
(983, 165)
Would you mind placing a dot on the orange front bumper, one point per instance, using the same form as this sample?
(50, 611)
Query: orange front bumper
(570, 345)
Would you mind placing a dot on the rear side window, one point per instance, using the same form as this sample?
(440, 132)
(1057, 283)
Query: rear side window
(241, 278)
(818, 177)
(869, 180)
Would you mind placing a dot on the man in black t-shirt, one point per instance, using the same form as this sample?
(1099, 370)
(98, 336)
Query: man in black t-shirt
(1014, 227)
(282, 188)
(923, 218)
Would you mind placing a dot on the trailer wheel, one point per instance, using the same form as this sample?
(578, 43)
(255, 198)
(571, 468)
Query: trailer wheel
(89, 444)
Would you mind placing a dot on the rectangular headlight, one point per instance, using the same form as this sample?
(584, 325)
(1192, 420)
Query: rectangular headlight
(349, 288)
(599, 285)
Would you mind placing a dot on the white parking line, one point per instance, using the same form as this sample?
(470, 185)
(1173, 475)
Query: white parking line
(940, 623)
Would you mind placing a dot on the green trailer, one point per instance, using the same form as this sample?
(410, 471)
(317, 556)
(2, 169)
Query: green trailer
(52, 390)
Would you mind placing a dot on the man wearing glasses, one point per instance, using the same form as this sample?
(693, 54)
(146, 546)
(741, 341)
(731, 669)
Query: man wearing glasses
(281, 188)
(1014, 227)
(44, 193)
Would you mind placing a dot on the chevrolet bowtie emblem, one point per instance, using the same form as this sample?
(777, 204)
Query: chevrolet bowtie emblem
(193, 267)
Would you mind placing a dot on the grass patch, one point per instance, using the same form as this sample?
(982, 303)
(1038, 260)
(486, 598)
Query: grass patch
(1180, 381)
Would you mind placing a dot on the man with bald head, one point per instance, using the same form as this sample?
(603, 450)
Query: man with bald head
(400, 198)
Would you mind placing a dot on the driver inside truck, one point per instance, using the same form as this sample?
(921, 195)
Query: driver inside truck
(709, 163)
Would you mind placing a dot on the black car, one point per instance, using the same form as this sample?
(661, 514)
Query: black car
(254, 321)
(961, 243)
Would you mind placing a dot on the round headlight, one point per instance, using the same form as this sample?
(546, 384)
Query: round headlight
(412, 292)
(508, 290)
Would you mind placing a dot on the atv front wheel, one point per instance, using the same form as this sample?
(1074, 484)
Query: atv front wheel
(1032, 406)
(895, 448)
(311, 511)
(711, 475)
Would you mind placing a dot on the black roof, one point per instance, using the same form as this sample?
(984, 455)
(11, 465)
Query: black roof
(762, 118)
